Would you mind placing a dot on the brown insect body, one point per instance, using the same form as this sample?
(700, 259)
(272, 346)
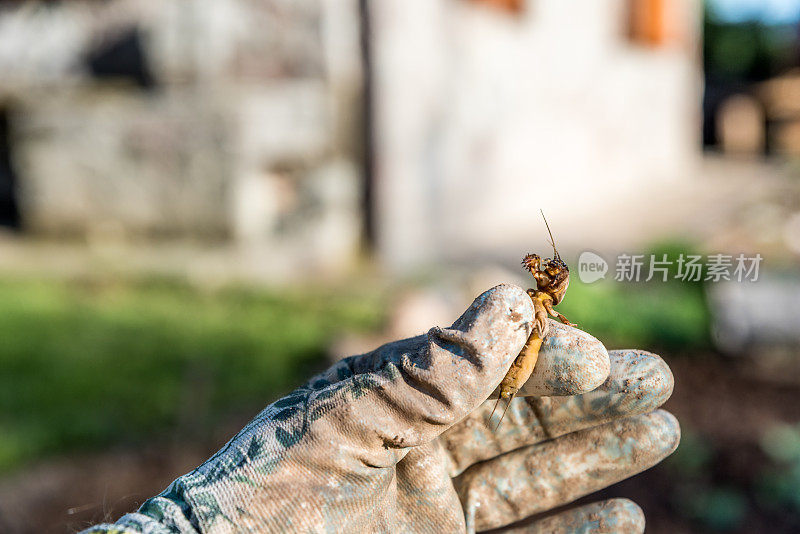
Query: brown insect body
(552, 281)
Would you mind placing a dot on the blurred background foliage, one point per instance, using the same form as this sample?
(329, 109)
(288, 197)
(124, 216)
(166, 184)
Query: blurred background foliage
(746, 51)
(671, 316)
(92, 363)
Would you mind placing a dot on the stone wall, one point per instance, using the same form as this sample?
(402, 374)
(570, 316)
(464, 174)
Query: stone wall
(237, 120)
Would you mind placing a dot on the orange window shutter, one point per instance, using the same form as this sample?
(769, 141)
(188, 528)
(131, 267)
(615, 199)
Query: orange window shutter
(656, 23)
(648, 22)
(511, 6)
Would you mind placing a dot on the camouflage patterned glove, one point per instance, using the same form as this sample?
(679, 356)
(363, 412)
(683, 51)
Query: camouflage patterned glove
(398, 440)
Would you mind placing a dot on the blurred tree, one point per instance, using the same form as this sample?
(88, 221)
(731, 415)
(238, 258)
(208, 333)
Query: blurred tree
(749, 51)
(738, 54)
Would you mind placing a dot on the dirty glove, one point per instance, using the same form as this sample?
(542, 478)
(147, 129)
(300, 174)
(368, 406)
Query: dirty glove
(399, 439)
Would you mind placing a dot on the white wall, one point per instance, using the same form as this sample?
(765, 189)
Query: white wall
(483, 118)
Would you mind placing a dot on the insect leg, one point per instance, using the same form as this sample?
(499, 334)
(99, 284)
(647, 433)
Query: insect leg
(549, 306)
(531, 262)
(502, 415)
(496, 404)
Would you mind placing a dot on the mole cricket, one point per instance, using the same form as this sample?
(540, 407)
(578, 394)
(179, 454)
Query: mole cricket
(552, 280)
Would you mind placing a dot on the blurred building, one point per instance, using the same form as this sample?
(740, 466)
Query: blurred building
(780, 100)
(761, 118)
(209, 120)
(489, 110)
(243, 122)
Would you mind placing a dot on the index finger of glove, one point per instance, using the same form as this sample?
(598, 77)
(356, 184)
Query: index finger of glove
(406, 393)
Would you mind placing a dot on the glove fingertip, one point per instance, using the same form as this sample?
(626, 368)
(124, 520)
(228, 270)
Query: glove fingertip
(646, 378)
(669, 431)
(571, 362)
(498, 322)
(624, 516)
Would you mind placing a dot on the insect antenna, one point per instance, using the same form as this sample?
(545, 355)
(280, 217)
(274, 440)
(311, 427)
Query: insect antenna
(552, 241)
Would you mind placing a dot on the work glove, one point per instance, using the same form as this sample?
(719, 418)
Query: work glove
(400, 439)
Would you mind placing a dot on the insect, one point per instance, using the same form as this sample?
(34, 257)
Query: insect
(552, 280)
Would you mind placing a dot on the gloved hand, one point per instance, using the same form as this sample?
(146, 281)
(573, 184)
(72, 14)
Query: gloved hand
(399, 440)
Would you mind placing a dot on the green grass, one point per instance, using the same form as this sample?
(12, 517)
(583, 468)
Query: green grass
(655, 316)
(671, 316)
(87, 365)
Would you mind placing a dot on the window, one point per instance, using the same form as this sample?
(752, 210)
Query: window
(654, 23)
(509, 6)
